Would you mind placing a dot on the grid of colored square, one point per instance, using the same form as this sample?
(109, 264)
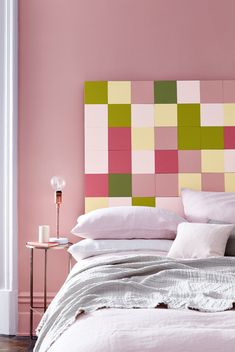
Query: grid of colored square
(146, 140)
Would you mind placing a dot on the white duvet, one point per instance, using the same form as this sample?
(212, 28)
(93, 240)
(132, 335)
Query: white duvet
(150, 330)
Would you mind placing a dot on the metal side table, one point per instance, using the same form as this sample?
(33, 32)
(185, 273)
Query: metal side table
(45, 249)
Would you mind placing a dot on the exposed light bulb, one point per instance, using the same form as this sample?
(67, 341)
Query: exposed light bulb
(57, 183)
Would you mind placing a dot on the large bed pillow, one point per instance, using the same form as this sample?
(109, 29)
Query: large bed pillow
(128, 222)
(202, 206)
(230, 246)
(200, 240)
(87, 248)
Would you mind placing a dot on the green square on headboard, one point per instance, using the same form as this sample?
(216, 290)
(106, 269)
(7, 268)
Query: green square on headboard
(189, 138)
(212, 137)
(120, 185)
(144, 201)
(119, 115)
(188, 114)
(165, 92)
(96, 92)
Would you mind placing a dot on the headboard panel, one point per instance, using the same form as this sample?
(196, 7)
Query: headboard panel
(145, 140)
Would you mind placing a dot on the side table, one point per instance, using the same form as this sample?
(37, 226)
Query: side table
(45, 249)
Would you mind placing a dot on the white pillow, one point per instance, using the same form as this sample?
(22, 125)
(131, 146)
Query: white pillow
(202, 206)
(128, 222)
(88, 248)
(200, 240)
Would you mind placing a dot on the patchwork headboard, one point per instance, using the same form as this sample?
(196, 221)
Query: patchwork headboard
(145, 140)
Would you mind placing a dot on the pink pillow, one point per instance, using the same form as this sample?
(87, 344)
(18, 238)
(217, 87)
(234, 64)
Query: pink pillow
(200, 240)
(202, 206)
(128, 222)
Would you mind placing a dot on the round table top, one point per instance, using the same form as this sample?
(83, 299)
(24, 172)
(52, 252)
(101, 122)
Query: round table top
(56, 246)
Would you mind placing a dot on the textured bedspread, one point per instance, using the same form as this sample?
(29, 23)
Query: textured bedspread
(139, 281)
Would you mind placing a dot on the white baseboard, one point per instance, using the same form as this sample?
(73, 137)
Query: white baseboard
(8, 309)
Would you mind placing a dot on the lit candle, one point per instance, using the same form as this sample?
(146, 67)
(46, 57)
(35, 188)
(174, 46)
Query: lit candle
(43, 233)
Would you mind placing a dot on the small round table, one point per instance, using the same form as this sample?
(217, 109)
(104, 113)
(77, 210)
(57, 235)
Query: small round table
(45, 249)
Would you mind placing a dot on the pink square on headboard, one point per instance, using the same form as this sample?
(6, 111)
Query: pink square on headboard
(229, 91)
(213, 182)
(211, 91)
(143, 185)
(142, 92)
(166, 138)
(167, 185)
(189, 161)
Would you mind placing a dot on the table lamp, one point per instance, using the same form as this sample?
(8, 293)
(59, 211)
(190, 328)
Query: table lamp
(58, 184)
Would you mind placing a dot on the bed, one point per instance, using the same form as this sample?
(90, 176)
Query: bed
(144, 142)
(147, 329)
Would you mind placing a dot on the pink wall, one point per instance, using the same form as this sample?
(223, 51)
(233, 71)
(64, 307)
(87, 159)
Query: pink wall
(62, 43)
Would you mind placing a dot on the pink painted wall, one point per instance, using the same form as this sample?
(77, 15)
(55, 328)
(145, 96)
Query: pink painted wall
(62, 43)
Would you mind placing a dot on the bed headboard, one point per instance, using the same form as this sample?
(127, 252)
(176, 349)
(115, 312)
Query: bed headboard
(145, 140)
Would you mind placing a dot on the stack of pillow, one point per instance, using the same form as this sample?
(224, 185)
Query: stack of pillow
(205, 232)
(127, 228)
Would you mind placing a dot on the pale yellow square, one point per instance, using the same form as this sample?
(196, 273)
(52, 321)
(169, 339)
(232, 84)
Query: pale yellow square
(165, 114)
(142, 138)
(92, 203)
(229, 182)
(119, 92)
(192, 181)
(229, 114)
(212, 160)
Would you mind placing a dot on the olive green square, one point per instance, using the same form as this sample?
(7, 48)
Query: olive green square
(165, 92)
(119, 185)
(144, 201)
(212, 138)
(189, 138)
(188, 114)
(119, 115)
(96, 92)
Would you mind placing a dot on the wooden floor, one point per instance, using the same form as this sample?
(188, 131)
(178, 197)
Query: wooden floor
(16, 344)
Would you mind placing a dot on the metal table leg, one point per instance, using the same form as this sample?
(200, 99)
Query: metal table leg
(70, 263)
(45, 280)
(31, 293)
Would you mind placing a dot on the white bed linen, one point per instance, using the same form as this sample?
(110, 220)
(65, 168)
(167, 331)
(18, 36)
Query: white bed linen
(148, 330)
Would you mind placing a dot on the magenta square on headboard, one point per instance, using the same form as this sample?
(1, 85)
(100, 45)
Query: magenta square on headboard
(96, 185)
(120, 161)
(229, 140)
(119, 138)
(166, 161)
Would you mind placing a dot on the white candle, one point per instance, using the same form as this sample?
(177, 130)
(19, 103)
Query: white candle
(43, 233)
